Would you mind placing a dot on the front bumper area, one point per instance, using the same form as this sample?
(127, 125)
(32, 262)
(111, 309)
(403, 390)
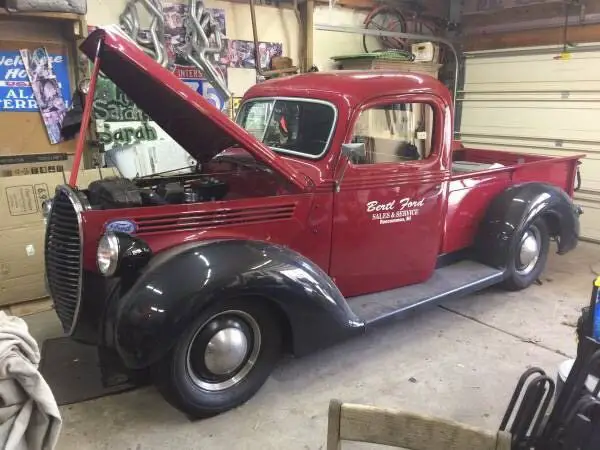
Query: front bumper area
(99, 300)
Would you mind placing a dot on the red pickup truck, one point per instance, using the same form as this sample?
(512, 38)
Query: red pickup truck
(334, 202)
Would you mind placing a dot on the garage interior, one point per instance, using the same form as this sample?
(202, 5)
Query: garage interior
(523, 84)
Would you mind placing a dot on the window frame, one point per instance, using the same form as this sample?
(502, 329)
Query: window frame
(327, 145)
(425, 99)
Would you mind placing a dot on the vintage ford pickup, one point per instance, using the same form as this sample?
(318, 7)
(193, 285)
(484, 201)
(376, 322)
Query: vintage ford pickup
(335, 201)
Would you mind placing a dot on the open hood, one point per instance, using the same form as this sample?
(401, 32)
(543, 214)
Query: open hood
(200, 128)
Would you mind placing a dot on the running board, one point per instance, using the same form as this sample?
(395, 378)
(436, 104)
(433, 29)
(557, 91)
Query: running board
(452, 281)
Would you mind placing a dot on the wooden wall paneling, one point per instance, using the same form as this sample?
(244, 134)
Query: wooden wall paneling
(532, 38)
(531, 25)
(512, 15)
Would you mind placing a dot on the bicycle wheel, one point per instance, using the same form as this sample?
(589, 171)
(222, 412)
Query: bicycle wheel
(385, 18)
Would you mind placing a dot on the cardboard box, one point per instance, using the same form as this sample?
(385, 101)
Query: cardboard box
(22, 264)
(22, 231)
(11, 166)
(21, 197)
(15, 170)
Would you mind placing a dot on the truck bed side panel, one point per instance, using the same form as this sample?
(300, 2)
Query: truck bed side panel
(467, 201)
(559, 172)
(471, 193)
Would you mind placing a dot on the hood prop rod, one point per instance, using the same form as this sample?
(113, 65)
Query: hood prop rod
(85, 120)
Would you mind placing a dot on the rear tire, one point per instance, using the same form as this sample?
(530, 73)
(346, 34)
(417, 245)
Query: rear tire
(529, 256)
(222, 359)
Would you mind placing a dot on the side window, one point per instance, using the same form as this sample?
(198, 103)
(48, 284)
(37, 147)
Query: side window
(396, 132)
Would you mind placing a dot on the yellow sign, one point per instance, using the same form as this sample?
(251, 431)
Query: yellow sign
(234, 105)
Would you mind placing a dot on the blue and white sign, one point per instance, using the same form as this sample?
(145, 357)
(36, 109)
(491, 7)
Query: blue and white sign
(16, 94)
(205, 89)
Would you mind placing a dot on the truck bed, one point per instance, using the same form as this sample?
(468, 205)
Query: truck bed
(469, 161)
(479, 175)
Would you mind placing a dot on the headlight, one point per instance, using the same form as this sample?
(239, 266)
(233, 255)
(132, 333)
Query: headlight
(107, 257)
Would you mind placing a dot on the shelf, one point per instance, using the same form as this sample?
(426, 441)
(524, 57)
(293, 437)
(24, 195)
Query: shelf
(41, 15)
(353, 4)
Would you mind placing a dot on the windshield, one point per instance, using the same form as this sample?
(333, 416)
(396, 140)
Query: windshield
(295, 126)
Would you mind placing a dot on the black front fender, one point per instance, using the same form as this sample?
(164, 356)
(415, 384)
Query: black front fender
(514, 209)
(180, 282)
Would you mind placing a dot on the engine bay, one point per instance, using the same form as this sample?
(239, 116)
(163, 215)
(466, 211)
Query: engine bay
(111, 193)
(219, 180)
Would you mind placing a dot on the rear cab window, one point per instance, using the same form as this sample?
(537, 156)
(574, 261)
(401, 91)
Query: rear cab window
(300, 127)
(395, 133)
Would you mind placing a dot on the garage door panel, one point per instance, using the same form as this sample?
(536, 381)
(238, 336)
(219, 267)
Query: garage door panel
(584, 98)
(580, 67)
(590, 219)
(534, 86)
(526, 101)
(520, 119)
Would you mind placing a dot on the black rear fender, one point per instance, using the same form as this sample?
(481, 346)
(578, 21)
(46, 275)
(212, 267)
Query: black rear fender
(513, 210)
(179, 283)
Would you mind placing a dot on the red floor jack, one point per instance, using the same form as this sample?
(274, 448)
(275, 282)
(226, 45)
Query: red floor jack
(573, 421)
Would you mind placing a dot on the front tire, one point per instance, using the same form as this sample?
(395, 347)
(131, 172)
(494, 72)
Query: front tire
(222, 359)
(529, 256)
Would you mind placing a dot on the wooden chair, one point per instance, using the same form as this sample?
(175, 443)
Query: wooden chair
(361, 423)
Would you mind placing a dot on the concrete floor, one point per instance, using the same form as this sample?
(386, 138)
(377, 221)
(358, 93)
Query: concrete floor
(459, 361)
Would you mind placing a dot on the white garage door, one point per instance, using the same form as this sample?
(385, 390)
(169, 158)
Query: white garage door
(526, 100)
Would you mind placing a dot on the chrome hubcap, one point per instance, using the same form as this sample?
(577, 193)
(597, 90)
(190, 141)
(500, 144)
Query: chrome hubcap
(226, 351)
(529, 251)
(223, 350)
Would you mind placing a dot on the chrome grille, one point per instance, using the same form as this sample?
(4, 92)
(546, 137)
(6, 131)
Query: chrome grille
(63, 256)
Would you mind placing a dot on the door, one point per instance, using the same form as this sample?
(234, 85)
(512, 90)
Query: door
(529, 101)
(387, 222)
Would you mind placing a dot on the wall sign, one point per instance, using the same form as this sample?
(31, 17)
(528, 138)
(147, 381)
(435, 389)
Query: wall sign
(205, 89)
(130, 139)
(16, 93)
(119, 121)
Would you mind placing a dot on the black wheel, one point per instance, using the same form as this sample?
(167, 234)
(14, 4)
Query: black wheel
(222, 359)
(530, 256)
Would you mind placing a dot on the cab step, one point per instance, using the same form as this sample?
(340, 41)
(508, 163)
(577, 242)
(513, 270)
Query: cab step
(452, 281)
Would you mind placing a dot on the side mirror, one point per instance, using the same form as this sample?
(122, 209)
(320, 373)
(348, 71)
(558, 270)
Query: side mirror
(351, 152)
(354, 152)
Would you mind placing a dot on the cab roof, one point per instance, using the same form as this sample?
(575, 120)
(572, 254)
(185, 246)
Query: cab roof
(350, 87)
